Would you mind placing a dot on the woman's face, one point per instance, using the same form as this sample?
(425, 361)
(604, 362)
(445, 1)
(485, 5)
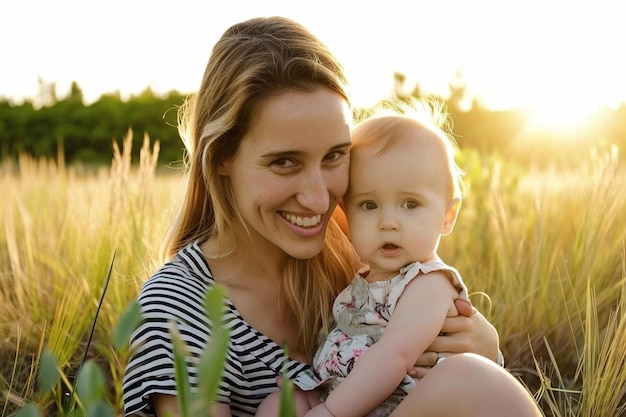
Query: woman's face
(291, 169)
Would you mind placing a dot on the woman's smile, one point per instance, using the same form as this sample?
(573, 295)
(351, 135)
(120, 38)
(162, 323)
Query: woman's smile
(302, 221)
(305, 227)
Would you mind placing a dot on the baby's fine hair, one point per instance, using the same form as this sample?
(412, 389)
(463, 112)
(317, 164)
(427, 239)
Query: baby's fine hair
(382, 127)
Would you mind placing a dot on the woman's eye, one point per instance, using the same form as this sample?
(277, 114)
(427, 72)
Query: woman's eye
(283, 163)
(334, 156)
(410, 204)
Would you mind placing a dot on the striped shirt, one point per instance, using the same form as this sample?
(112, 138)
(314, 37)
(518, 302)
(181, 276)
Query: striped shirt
(176, 293)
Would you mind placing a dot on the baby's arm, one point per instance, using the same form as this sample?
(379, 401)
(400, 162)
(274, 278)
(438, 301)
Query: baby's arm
(413, 326)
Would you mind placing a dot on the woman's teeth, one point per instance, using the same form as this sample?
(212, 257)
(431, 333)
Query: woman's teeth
(303, 221)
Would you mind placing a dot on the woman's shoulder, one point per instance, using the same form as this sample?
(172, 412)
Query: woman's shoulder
(189, 264)
(187, 275)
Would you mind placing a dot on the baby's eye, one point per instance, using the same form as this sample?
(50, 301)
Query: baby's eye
(410, 204)
(368, 205)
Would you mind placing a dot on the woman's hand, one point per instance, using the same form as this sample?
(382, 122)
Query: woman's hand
(468, 332)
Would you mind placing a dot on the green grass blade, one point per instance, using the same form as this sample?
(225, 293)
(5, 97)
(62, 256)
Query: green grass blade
(287, 400)
(212, 361)
(100, 409)
(129, 321)
(48, 372)
(90, 386)
(29, 410)
(182, 373)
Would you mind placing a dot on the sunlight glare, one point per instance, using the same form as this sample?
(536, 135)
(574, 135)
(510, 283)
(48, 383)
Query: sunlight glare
(549, 116)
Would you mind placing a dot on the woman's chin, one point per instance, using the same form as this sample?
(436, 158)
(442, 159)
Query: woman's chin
(305, 250)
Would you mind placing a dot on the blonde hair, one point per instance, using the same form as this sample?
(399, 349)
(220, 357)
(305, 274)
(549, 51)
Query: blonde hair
(384, 126)
(254, 60)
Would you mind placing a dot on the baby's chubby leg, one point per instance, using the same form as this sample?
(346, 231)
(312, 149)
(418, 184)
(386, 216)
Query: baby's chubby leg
(468, 385)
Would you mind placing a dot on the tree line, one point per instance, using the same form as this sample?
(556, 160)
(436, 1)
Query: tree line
(84, 133)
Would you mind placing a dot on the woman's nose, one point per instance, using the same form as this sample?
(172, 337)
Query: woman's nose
(314, 193)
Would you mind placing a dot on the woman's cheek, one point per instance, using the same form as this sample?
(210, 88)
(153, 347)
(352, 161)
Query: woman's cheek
(338, 180)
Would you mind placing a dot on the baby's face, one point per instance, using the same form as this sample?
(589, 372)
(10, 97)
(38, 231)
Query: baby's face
(397, 205)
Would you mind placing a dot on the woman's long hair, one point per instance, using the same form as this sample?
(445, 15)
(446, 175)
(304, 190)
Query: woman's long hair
(252, 61)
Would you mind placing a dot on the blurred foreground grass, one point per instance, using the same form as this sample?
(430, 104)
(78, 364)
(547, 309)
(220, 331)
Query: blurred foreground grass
(547, 247)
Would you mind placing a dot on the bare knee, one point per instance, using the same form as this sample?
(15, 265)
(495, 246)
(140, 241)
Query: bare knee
(469, 385)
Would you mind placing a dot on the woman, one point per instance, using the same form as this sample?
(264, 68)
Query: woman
(268, 137)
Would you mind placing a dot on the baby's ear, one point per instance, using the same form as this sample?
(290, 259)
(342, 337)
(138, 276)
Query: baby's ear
(452, 212)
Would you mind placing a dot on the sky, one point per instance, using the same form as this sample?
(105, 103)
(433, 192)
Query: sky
(550, 55)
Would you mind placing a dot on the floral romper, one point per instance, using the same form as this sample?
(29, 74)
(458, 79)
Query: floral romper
(362, 311)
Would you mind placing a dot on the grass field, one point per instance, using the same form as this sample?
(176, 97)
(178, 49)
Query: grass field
(547, 247)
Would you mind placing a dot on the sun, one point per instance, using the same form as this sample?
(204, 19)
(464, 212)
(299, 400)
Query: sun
(563, 116)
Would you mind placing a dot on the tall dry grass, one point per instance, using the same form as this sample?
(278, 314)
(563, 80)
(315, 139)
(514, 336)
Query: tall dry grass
(546, 246)
(61, 228)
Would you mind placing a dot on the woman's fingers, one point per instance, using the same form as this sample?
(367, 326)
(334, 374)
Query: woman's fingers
(464, 307)
(426, 362)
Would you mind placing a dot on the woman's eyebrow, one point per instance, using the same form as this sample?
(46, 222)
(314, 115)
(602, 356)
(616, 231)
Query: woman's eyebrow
(282, 154)
(342, 145)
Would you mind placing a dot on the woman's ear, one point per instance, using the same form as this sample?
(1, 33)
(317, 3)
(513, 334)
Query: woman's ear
(452, 212)
(224, 168)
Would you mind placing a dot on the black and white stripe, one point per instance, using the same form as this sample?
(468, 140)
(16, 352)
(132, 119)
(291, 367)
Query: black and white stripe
(176, 294)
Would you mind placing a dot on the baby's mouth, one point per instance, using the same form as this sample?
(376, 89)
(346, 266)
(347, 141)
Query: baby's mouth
(390, 246)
